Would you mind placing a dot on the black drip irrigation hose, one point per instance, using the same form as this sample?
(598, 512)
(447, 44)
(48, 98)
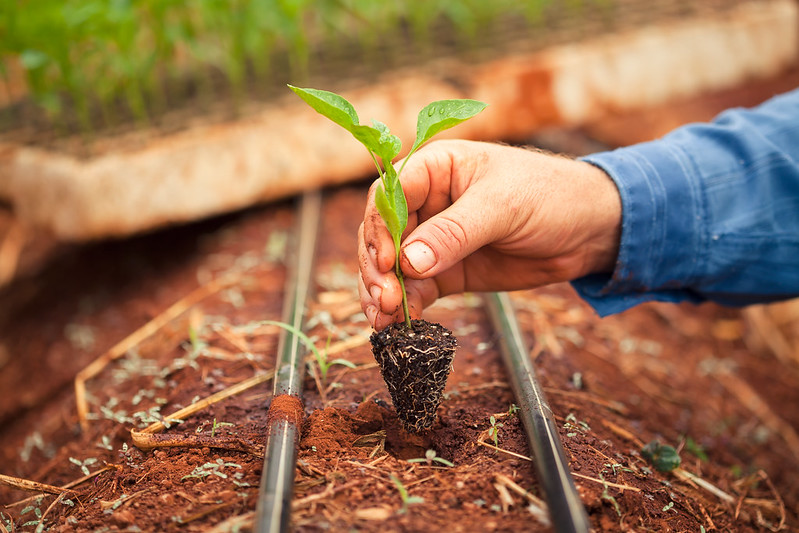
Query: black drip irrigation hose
(565, 507)
(273, 510)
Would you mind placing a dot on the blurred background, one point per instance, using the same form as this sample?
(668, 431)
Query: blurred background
(120, 117)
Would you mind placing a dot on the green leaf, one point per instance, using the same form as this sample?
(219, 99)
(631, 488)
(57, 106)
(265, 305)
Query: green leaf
(343, 362)
(662, 456)
(392, 207)
(331, 105)
(385, 145)
(377, 139)
(442, 115)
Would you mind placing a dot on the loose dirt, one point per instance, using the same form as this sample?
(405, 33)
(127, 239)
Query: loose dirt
(694, 377)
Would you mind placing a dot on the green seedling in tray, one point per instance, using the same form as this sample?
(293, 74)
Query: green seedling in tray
(384, 147)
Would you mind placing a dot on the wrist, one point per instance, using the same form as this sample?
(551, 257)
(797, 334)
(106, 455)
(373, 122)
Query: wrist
(604, 220)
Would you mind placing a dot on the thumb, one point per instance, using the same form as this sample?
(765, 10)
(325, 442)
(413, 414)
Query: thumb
(447, 238)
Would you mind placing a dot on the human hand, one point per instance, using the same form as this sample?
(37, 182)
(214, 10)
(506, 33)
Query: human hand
(487, 217)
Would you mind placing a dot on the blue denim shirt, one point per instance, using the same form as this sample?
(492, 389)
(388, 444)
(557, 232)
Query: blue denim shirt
(709, 212)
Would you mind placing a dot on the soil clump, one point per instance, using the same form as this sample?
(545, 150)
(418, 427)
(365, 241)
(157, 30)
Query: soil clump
(415, 364)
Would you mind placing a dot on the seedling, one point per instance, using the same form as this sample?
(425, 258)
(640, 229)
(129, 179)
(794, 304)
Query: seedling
(383, 147)
(493, 431)
(83, 465)
(430, 456)
(407, 499)
(324, 363)
(216, 425)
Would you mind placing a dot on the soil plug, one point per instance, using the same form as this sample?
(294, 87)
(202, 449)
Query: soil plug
(415, 364)
(414, 357)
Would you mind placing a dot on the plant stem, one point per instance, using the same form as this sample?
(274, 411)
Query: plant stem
(401, 279)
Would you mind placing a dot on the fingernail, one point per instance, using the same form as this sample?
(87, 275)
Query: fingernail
(372, 253)
(420, 256)
(376, 292)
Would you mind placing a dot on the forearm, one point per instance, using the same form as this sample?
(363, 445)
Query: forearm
(709, 212)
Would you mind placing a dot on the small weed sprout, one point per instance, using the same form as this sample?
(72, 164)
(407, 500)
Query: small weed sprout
(83, 465)
(383, 147)
(39, 522)
(7, 522)
(197, 345)
(493, 431)
(606, 495)
(574, 426)
(430, 456)
(210, 469)
(407, 499)
(695, 448)
(324, 364)
(218, 425)
(320, 357)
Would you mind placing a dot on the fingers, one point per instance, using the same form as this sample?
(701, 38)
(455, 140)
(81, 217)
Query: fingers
(374, 235)
(447, 238)
(421, 293)
(380, 288)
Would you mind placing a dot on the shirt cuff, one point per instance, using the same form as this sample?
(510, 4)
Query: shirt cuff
(663, 215)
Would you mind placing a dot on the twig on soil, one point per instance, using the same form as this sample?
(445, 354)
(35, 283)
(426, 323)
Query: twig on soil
(487, 433)
(26, 484)
(419, 481)
(781, 505)
(199, 405)
(145, 440)
(144, 332)
(607, 483)
(613, 405)
(330, 490)
(498, 449)
(149, 441)
(70, 485)
(233, 339)
(50, 507)
(122, 500)
(537, 506)
(505, 499)
(204, 513)
(235, 523)
(770, 334)
(684, 475)
(623, 433)
(359, 339)
(752, 400)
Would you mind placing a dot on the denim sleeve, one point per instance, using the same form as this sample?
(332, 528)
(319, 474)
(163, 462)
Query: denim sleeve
(709, 212)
